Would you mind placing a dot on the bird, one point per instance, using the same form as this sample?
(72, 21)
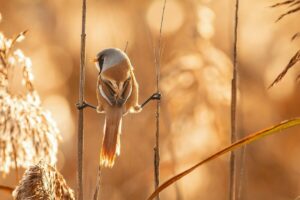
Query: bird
(117, 94)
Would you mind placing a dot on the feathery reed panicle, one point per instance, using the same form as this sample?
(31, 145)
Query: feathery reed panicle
(27, 131)
(42, 181)
(292, 62)
(293, 6)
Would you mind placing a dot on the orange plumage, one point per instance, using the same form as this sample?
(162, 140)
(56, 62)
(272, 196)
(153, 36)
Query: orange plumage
(117, 94)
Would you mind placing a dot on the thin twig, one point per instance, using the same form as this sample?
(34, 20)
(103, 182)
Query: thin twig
(125, 49)
(242, 172)
(98, 183)
(232, 183)
(157, 63)
(80, 112)
(243, 151)
(6, 188)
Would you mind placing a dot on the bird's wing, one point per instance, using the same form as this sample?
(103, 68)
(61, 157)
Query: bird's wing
(127, 89)
(107, 92)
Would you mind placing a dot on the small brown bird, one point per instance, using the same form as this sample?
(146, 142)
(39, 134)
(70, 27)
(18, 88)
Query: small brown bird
(117, 94)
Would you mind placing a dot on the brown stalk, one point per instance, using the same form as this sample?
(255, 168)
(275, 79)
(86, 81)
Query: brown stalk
(6, 188)
(157, 134)
(80, 139)
(232, 172)
(98, 183)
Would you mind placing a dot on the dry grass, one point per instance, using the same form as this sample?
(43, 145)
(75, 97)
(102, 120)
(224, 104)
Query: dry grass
(43, 182)
(294, 60)
(27, 131)
(238, 144)
(292, 6)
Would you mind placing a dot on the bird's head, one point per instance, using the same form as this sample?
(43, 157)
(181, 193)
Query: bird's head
(109, 58)
(114, 72)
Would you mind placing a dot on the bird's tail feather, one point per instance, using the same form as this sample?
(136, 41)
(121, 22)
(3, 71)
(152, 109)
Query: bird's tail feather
(111, 138)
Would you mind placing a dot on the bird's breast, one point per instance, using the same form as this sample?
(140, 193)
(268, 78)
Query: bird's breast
(118, 73)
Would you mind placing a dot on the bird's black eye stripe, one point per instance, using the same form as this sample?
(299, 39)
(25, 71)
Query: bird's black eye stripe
(101, 61)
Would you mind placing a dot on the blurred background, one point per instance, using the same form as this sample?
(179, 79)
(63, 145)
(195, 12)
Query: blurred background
(196, 75)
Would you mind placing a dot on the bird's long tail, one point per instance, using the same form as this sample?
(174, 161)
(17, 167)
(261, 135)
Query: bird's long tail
(111, 138)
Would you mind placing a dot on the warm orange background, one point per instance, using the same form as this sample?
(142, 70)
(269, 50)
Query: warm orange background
(196, 75)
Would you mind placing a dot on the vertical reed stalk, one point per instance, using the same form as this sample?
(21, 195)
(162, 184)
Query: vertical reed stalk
(98, 183)
(157, 63)
(80, 112)
(242, 172)
(233, 171)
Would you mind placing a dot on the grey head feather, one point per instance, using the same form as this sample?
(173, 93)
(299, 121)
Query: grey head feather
(111, 57)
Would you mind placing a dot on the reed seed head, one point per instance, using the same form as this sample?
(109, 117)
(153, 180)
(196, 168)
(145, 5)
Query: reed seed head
(43, 182)
(27, 131)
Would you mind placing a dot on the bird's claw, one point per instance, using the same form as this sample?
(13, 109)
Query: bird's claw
(156, 96)
(81, 106)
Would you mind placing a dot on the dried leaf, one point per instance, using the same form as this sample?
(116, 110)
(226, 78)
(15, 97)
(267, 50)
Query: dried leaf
(293, 61)
(251, 138)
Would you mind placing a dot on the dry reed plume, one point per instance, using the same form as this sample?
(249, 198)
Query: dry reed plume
(27, 131)
(43, 181)
(293, 6)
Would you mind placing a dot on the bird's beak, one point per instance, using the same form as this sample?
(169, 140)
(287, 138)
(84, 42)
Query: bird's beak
(94, 60)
